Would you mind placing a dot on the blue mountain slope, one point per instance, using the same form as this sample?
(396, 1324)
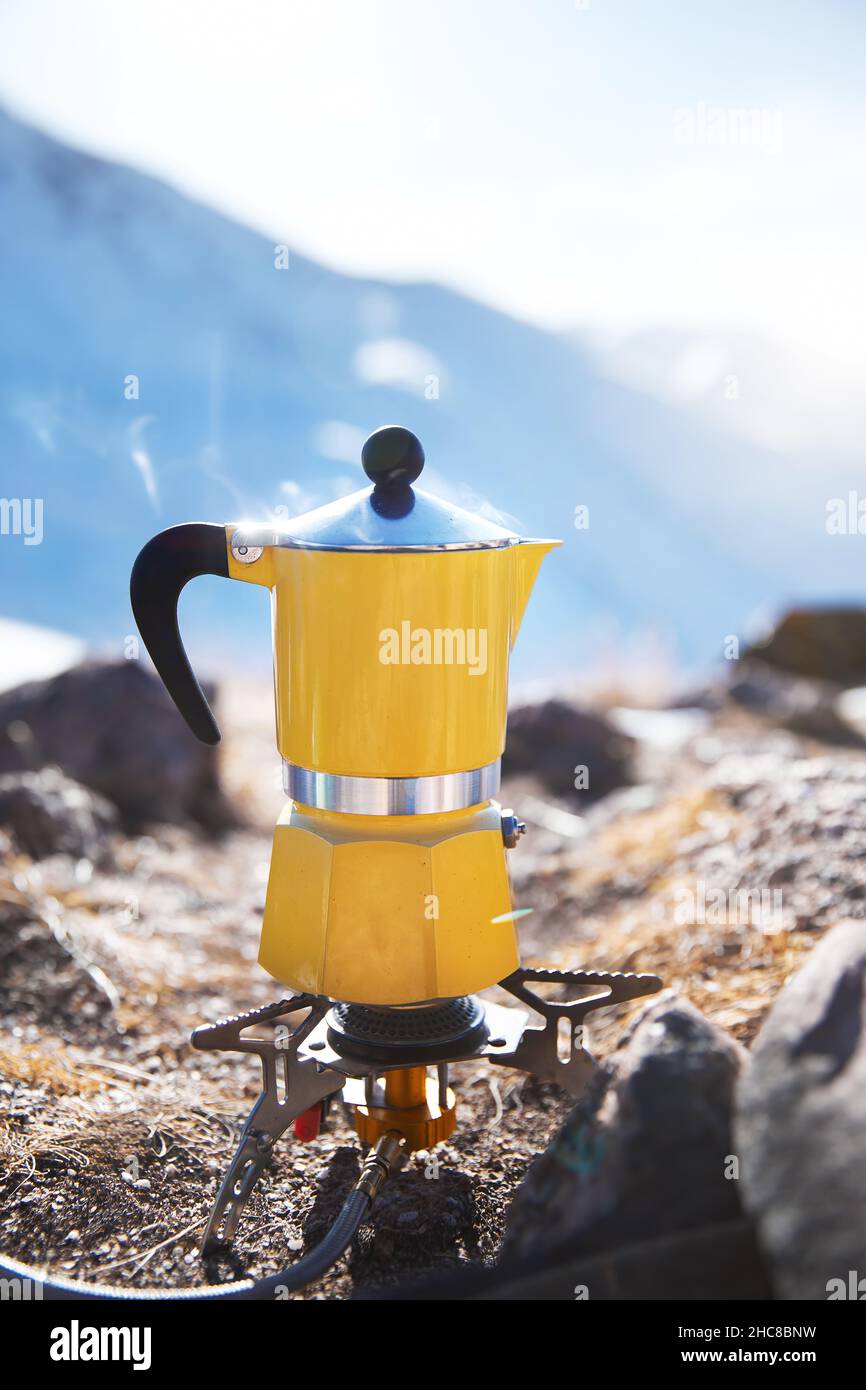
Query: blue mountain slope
(243, 370)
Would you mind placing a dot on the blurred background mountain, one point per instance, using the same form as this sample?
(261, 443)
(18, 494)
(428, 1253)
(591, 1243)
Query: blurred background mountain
(256, 387)
(160, 363)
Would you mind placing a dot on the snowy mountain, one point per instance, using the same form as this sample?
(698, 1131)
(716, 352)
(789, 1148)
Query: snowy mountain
(157, 366)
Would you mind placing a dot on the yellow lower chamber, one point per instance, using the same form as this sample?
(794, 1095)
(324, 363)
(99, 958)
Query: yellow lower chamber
(388, 909)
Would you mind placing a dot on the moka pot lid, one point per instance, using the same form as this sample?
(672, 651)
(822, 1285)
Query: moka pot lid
(390, 515)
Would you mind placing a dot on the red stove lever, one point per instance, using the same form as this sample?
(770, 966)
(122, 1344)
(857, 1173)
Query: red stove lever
(308, 1124)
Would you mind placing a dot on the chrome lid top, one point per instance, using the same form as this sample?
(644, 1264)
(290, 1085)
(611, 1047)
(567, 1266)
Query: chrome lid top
(390, 515)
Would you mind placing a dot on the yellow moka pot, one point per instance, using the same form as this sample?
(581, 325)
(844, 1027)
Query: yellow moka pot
(394, 615)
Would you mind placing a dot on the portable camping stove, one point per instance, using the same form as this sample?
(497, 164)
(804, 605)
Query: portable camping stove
(382, 1061)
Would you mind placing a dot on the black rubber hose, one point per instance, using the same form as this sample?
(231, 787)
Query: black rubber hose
(326, 1253)
(304, 1271)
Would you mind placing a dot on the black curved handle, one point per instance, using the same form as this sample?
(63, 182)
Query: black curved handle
(161, 570)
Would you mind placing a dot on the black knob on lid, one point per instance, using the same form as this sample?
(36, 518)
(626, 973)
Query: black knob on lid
(392, 457)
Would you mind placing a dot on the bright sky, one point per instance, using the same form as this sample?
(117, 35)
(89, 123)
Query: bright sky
(579, 162)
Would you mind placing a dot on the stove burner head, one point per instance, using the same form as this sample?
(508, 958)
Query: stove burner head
(419, 1033)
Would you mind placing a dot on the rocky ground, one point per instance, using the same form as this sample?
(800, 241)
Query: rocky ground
(736, 847)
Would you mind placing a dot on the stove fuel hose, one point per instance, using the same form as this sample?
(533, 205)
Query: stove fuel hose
(380, 1162)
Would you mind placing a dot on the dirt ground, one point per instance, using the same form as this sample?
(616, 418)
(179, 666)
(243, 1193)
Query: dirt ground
(114, 1133)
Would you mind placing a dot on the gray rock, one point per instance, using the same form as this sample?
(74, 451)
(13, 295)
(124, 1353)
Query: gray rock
(551, 739)
(714, 1262)
(809, 707)
(801, 828)
(801, 1122)
(47, 813)
(112, 727)
(822, 643)
(644, 1154)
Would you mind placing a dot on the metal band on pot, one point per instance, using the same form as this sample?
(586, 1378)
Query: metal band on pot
(391, 796)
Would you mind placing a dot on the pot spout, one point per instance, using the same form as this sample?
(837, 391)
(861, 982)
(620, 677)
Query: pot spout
(528, 556)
